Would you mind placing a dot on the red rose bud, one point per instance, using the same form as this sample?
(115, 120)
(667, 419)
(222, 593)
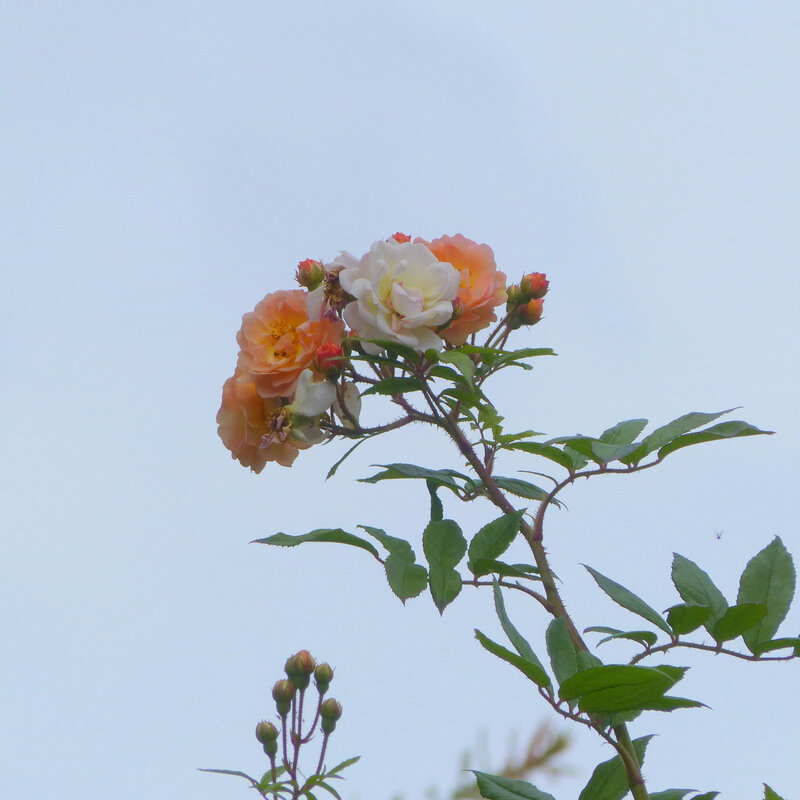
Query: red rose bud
(531, 312)
(323, 675)
(400, 238)
(329, 360)
(310, 274)
(534, 286)
(283, 694)
(330, 712)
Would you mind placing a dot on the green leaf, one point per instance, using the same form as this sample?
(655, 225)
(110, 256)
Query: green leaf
(446, 373)
(768, 578)
(520, 643)
(737, 620)
(725, 430)
(544, 450)
(669, 703)
(395, 348)
(233, 772)
(520, 488)
(494, 538)
(332, 470)
(623, 432)
(437, 510)
(617, 687)
(441, 477)
(444, 546)
(528, 668)
(627, 599)
(561, 650)
(461, 361)
(777, 644)
(392, 386)
(671, 794)
(488, 566)
(646, 638)
(406, 578)
(336, 535)
(609, 780)
(770, 793)
(343, 765)
(672, 430)
(695, 587)
(497, 787)
(706, 796)
(687, 617)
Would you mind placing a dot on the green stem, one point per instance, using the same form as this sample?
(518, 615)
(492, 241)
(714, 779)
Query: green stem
(631, 762)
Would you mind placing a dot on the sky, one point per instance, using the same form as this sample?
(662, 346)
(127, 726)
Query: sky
(166, 164)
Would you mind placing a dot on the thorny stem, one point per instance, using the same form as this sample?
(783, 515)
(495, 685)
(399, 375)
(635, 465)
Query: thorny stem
(322, 752)
(297, 742)
(533, 535)
(709, 649)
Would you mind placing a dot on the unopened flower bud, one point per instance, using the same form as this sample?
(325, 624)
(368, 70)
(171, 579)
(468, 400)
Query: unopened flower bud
(323, 675)
(458, 309)
(530, 313)
(310, 273)
(534, 286)
(514, 297)
(400, 238)
(267, 734)
(330, 712)
(329, 360)
(299, 668)
(283, 694)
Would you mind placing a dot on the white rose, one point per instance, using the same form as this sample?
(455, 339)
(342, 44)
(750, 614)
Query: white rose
(402, 292)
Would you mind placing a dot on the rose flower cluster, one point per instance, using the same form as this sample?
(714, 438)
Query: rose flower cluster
(292, 368)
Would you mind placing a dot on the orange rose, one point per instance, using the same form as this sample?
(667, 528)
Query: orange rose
(482, 286)
(244, 420)
(278, 341)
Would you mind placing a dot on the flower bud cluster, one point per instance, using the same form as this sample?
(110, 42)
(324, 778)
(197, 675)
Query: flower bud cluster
(526, 300)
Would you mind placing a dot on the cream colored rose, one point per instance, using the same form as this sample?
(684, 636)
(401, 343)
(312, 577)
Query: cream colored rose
(402, 293)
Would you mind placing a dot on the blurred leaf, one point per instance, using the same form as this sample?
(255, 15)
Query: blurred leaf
(496, 787)
(725, 430)
(706, 796)
(671, 794)
(561, 650)
(343, 765)
(444, 546)
(768, 578)
(623, 432)
(530, 669)
(687, 617)
(695, 587)
(233, 772)
(737, 620)
(627, 599)
(609, 780)
(493, 539)
(672, 430)
(770, 793)
(390, 386)
(616, 687)
(520, 643)
(336, 535)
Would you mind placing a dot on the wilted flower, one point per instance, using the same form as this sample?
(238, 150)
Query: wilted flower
(278, 341)
(348, 409)
(247, 420)
(480, 289)
(402, 293)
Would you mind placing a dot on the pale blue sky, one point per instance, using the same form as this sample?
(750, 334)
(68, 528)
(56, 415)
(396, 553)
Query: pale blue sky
(164, 165)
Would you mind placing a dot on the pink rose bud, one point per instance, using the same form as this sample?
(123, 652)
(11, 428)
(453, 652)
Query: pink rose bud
(330, 712)
(283, 694)
(310, 274)
(400, 238)
(329, 360)
(534, 286)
